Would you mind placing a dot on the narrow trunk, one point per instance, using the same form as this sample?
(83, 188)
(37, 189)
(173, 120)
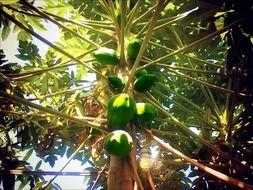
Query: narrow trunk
(120, 175)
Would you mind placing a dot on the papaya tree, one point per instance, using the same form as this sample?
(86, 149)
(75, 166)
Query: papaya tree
(151, 94)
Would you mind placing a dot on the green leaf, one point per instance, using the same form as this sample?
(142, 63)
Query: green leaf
(25, 137)
(8, 2)
(38, 165)
(51, 160)
(6, 31)
(36, 23)
(24, 36)
(116, 83)
(39, 185)
(79, 109)
(28, 155)
(62, 150)
(69, 152)
(81, 72)
(144, 82)
(44, 84)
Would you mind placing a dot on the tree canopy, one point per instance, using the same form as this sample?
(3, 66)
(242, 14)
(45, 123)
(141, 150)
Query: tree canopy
(192, 62)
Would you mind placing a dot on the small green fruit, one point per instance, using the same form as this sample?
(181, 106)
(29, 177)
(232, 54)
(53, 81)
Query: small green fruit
(141, 72)
(145, 112)
(144, 82)
(116, 83)
(133, 48)
(106, 56)
(121, 109)
(118, 143)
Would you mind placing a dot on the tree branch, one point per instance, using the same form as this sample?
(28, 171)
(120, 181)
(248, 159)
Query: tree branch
(9, 17)
(69, 160)
(219, 175)
(193, 44)
(158, 10)
(28, 172)
(24, 2)
(53, 112)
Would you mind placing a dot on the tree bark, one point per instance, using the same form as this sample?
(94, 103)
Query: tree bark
(120, 174)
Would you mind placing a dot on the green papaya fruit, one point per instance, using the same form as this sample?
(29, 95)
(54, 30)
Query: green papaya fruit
(144, 82)
(106, 56)
(145, 112)
(121, 109)
(141, 72)
(116, 83)
(118, 143)
(133, 48)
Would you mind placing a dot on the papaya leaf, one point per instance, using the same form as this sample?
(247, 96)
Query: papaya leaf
(6, 31)
(28, 155)
(8, 2)
(38, 165)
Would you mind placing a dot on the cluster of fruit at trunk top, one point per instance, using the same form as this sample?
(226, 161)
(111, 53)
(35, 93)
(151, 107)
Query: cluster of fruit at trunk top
(121, 107)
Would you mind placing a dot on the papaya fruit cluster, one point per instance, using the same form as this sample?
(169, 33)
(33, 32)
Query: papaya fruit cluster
(105, 56)
(121, 107)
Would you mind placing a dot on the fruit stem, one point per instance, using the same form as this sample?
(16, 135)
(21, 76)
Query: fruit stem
(143, 15)
(111, 7)
(169, 50)
(170, 22)
(152, 22)
(123, 5)
(143, 31)
(131, 16)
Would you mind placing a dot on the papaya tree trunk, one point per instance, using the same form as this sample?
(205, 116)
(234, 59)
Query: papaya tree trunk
(123, 171)
(120, 174)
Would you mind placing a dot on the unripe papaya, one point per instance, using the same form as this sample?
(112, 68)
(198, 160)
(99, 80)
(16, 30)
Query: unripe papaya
(106, 56)
(121, 109)
(144, 82)
(118, 143)
(116, 83)
(141, 72)
(145, 112)
(133, 48)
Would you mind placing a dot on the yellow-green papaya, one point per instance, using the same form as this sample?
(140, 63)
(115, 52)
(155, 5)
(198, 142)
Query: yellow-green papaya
(116, 83)
(106, 56)
(133, 48)
(145, 112)
(121, 109)
(141, 72)
(118, 143)
(144, 82)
